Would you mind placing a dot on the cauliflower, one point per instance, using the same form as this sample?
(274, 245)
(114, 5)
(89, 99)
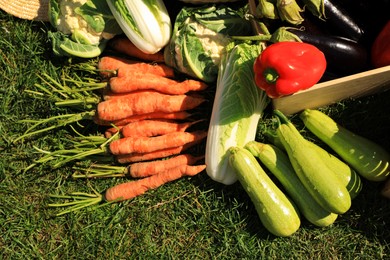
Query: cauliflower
(213, 44)
(70, 22)
(81, 23)
(200, 37)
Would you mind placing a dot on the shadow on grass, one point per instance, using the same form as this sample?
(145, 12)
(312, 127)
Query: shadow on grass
(235, 199)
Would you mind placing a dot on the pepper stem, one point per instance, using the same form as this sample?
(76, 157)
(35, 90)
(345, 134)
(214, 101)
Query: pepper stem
(270, 75)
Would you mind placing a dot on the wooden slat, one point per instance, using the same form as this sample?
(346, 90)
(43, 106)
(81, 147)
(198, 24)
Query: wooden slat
(332, 91)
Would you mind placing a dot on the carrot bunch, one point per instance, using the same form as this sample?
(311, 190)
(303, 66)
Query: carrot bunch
(145, 112)
(148, 108)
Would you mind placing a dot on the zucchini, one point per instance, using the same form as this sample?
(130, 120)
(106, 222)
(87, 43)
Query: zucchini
(321, 182)
(276, 211)
(277, 162)
(347, 175)
(369, 159)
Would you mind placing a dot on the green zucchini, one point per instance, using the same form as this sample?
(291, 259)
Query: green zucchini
(321, 182)
(276, 211)
(346, 174)
(277, 162)
(369, 159)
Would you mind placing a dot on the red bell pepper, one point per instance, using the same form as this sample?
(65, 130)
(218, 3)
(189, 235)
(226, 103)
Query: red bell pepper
(284, 68)
(380, 50)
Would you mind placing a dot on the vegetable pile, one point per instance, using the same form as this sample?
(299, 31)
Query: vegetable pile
(177, 99)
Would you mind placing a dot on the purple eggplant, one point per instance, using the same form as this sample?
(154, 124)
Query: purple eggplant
(344, 56)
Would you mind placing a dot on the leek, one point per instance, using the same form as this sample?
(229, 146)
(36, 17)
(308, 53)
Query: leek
(237, 109)
(145, 22)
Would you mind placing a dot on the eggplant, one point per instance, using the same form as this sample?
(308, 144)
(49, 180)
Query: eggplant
(372, 16)
(344, 56)
(342, 21)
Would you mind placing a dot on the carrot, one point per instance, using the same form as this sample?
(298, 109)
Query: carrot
(155, 127)
(142, 157)
(125, 46)
(145, 102)
(159, 154)
(151, 127)
(135, 170)
(144, 169)
(141, 81)
(107, 94)
(179, 115)
(136, 188)
(111, 131)
(109, 65)
(123, 67)
(143, 144)
(156, 69)
(147, 127)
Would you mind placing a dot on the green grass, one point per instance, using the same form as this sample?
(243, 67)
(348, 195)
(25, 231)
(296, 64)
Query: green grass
(192, 218)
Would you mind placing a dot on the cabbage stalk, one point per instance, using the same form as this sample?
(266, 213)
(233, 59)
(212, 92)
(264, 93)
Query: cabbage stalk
(145, 22)
(237, 108)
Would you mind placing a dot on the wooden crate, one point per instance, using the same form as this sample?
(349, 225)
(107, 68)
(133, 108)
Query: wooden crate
(329, 92)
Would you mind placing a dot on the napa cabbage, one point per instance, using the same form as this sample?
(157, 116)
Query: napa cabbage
(237, 108)
(146, 23)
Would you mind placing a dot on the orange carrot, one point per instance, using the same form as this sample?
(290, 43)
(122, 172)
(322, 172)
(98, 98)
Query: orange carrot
(107, 94)
(141, 81)
(154, 127)
(109, 65)
(142, 144)
(141, 157)
(124, 67)
(159, 154)
(112, 130)
(133, 189)
(144, 169)
(179, 115)
(156, 69)
(125, 46)
(145, 102)
(149, 127)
